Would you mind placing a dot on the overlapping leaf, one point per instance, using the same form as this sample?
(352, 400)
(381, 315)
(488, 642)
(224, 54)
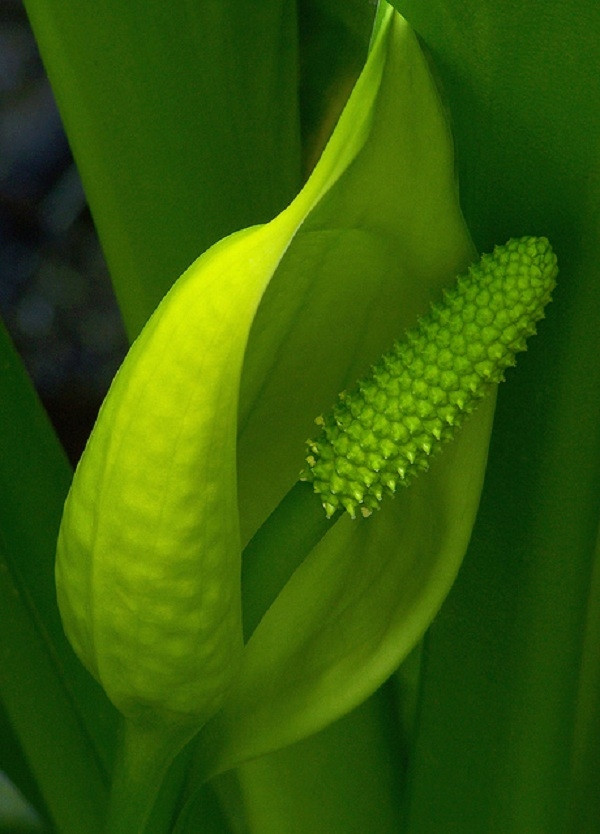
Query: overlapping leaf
(510, 639)
(183, 121)
(43, 689)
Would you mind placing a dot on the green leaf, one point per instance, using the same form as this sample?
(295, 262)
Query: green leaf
(183, 122)
(584, 810)
(501, 694)
(343, 779)
(14, 767)
(62, 720)
(333, 40)
(363, 265)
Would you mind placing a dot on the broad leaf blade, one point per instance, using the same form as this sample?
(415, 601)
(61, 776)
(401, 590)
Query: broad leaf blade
(52, 703)
(183, 121)
(506, 651)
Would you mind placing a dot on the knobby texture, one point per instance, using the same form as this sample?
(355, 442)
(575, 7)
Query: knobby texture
(382, 433)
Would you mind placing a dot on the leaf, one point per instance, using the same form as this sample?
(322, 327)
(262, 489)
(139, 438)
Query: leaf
(363, 265)
(501, 691)
(333, 39)
(150, 491)
(15, 768)
(51, 702)
(183, 120)
(344, 779)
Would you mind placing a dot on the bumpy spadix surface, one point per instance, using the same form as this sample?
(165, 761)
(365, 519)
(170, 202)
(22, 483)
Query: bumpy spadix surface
(384, 432)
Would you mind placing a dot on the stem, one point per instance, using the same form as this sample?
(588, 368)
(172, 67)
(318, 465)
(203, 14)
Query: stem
(292, 530)
(145, 755)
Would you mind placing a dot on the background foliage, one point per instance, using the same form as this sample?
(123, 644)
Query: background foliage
(524, 611)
